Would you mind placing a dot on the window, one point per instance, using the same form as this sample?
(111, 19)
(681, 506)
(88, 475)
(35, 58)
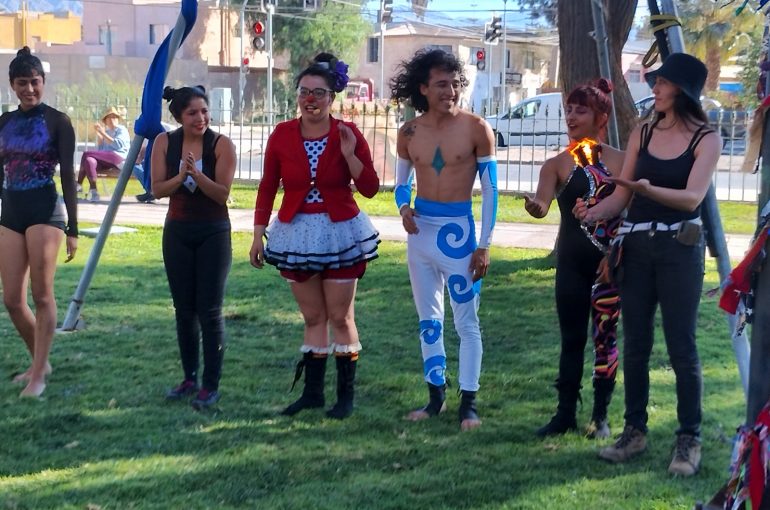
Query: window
(529, 60)
(373, 50)
(102, 34)
(157, 33)
(507, 59)
(633, 76)
(528, 109)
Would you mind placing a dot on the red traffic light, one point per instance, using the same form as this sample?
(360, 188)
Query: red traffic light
(258, 27)
(480, 54)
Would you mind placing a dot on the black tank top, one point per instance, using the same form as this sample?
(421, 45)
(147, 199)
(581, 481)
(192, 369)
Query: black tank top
(573, 242)
(666, 173)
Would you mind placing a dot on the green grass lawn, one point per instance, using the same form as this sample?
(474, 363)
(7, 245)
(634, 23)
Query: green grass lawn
(103, 435)
(737, 217)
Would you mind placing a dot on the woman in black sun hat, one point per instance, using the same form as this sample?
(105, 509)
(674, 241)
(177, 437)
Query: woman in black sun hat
(669, 163)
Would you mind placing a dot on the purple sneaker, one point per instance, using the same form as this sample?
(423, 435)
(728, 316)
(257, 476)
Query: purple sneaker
(187, 387)
(205, 399)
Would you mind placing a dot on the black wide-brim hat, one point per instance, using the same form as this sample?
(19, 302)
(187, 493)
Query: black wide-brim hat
(683, 70)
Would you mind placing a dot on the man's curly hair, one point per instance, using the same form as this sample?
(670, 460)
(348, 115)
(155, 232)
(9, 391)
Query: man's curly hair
(415, 72)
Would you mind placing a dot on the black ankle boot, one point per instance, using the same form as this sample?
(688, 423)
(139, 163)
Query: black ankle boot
(346, 378)
(436, 398)
(599, 428)
(467, 409)
(564, 419)
(313, 393)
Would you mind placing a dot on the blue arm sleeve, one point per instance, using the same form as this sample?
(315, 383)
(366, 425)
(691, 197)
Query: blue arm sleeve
(487, 168)
(404, 178)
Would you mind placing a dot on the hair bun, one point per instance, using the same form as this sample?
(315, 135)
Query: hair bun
(604, 85)
(169, 93)
(24, 52)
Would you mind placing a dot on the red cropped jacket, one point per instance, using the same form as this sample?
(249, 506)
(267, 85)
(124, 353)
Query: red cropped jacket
(286, 161)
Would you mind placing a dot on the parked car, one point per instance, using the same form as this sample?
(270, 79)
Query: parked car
(537, 121)
(731, 124)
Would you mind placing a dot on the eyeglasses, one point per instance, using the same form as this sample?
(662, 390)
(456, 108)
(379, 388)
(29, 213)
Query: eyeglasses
(318, 93)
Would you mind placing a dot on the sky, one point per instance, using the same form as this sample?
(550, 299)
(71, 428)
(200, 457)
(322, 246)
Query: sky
(468, 12)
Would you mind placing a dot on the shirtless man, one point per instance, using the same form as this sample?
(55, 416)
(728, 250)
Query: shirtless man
(447, 149)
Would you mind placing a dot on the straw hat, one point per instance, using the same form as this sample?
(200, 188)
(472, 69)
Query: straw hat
(111, 111)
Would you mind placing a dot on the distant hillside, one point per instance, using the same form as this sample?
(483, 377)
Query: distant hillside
(43, 6)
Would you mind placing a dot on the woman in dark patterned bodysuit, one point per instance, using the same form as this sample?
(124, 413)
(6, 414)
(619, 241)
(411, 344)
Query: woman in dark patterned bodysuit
(33, 140)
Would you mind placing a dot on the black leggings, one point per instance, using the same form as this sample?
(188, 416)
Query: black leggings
(197, 257)
(575, 275)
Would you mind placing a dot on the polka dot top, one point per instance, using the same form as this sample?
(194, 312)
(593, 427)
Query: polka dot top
(314, 149)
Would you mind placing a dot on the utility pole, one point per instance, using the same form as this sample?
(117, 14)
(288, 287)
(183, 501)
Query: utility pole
(109, 37)
(600, 35)
(504, 61)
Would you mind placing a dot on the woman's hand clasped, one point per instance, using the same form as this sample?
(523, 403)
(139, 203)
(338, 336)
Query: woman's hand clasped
(347, 140)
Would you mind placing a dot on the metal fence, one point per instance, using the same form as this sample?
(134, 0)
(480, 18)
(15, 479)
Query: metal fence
(519, 157)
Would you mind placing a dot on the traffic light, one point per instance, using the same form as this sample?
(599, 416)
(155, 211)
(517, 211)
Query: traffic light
(258, 31)
(481, 62)
(493, 30)
(386, 11)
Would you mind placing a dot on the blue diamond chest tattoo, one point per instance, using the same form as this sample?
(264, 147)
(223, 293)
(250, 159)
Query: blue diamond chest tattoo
(438, 161)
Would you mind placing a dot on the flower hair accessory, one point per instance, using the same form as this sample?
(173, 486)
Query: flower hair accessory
(340, 73)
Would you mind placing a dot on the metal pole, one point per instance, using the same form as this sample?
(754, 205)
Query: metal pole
(382, 59)
(72, 318)
(504, 62)
(715, 237)
(600, 35)
(270, 113)
(489, 78)
(242, 72)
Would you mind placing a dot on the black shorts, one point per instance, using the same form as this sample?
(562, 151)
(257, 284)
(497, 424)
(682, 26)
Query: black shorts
(41, 206)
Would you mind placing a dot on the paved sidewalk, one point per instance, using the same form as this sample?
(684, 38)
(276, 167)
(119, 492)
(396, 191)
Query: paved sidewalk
(515, 235)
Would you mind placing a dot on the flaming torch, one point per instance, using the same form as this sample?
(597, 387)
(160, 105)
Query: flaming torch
(586, 154)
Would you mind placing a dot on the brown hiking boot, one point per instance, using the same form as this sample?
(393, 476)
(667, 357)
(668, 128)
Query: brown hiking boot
(630, 443)
(686, 459)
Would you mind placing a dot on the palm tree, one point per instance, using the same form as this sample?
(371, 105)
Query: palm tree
(714, 33)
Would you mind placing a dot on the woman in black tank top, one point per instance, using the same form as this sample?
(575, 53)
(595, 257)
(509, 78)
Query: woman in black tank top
(578, 294)
(667, 171)
(194, 167)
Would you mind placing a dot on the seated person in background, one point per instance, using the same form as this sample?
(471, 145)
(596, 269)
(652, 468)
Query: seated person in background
(142, 175)
(111, 149)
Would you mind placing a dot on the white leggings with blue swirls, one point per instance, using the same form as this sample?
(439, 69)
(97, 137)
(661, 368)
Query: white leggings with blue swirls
(439, 255)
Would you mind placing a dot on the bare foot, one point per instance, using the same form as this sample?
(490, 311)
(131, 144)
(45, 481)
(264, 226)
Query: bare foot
(34, 389)
(470, 424)
(422, 414)
(27, 374)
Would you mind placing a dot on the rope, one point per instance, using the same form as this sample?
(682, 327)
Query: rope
(660, 22)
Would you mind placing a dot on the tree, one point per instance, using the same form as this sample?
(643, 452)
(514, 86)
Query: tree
(338, 27)
(579, 62)
(713, 33)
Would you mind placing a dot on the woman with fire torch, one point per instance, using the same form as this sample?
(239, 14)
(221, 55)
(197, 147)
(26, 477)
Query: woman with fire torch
(582, 285)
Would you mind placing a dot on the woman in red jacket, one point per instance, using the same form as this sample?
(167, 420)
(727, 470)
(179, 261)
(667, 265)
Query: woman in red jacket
(320, 240)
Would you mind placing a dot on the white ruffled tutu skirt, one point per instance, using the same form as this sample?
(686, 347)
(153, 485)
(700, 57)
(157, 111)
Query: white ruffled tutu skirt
(312, 242)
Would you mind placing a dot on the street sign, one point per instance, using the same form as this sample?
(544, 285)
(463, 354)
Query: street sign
(512, 78)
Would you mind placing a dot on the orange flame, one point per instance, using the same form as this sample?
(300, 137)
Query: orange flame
(582, 151)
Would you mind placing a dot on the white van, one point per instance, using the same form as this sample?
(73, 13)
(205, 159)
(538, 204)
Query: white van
(538, 121)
